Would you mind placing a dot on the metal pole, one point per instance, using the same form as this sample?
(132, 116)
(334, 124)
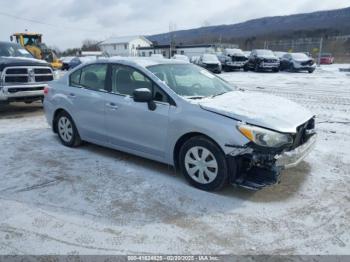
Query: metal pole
(320, 52)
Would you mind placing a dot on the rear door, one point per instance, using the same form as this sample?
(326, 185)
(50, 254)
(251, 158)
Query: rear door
(132, 126)
(88, 95)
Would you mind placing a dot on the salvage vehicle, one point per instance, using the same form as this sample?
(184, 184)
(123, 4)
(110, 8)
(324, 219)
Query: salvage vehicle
(22, 78)
(297, 62)
(210, 62)
(232, 59)
(327, 59)
(262, 60)
(182, 115)
(181, 57)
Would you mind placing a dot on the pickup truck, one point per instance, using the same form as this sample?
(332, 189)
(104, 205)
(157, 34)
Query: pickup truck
(22, 78)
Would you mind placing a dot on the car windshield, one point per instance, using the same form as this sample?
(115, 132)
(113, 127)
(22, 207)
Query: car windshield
(300, 56)
(234, 52)
(190, 81)
(210, 58)
(279, 54)
(265, 52)
(13, 50)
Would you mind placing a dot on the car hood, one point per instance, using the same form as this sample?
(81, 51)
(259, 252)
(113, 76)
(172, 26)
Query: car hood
(259, 109)
(211, 62)
(302, 60)
(20, 61)
(267, 57)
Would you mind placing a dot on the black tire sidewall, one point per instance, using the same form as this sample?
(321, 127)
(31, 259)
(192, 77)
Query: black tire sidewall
(75, 137)
(222, 176)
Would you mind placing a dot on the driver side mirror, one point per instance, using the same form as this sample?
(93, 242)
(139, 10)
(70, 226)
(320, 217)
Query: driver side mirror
(144, 95)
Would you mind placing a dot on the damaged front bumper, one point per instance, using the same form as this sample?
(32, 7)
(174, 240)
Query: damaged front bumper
(254, 169)
(292, 158)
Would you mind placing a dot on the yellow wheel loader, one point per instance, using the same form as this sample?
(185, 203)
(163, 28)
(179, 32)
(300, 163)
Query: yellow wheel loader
(32, 42)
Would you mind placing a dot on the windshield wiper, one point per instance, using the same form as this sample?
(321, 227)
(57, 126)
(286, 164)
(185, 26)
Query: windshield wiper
(195, 97)
(219, 94)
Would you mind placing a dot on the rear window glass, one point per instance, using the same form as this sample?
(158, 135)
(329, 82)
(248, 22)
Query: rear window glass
(75, 78)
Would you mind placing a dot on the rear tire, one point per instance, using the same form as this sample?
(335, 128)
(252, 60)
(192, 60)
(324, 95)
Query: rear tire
(203, 164)
(67, 131)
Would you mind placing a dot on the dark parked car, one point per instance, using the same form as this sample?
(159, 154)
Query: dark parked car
(262, 60)
(232, 59)
(296, 62)
(210, 62)
(65, 62)
(80, 60)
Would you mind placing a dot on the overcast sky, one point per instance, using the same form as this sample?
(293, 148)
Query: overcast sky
(69, 22)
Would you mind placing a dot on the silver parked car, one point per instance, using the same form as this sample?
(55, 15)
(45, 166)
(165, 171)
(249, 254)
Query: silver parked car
(182, 115)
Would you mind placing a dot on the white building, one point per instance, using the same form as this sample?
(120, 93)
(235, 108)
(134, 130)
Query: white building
(124, 46)
(188, 50)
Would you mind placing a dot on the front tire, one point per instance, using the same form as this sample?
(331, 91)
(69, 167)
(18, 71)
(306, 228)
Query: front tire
(203, 164)
(67, 131)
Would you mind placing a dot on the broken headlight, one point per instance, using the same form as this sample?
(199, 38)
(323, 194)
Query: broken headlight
(264, 137)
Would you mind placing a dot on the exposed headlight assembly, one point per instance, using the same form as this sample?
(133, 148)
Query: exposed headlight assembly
(264, 137)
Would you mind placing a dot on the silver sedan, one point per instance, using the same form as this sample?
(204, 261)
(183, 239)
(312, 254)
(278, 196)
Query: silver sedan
(182, 115)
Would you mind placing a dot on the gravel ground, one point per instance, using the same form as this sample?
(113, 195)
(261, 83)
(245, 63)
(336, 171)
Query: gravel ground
(93, 200)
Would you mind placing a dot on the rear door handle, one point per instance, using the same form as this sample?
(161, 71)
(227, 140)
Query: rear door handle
(112, 106)
(72, 95)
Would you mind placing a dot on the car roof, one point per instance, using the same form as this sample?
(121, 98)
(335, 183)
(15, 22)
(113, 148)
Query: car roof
(140, 61)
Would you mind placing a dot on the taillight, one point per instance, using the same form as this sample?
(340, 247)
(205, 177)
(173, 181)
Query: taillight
(46, 90)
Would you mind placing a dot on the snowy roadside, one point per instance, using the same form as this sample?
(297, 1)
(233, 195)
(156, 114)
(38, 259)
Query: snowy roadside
(92, 200)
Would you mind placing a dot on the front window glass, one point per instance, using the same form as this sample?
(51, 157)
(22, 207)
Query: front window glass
(125, 80)
(190, 81)
(13, 50)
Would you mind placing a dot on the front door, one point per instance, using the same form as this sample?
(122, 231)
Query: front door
(132, 126)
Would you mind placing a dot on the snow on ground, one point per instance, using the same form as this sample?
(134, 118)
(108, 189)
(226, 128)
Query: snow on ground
(93, 200)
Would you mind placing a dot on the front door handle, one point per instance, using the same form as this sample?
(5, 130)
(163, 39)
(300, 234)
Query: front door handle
(72, 95)
(112, 106)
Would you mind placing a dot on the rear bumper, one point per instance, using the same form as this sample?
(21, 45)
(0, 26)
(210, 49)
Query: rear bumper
(22, 92)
